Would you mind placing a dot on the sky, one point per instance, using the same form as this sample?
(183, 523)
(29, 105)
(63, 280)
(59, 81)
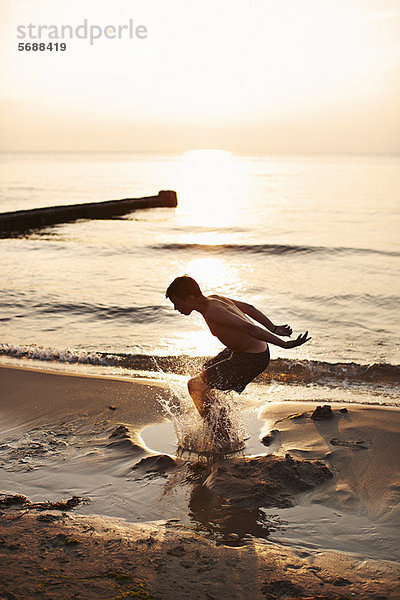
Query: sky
(248, 76)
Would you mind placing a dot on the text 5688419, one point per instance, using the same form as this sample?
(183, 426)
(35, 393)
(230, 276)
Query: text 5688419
(42, 47)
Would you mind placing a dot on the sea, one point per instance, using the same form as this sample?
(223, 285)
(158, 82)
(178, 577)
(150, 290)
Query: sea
(310, 240)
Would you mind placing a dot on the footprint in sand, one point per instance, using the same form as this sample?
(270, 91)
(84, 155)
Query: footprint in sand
(356, 444)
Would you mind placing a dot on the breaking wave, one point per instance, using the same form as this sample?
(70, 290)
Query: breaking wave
(282, 370)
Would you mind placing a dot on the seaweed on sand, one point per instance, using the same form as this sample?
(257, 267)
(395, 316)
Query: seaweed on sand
(24, 502)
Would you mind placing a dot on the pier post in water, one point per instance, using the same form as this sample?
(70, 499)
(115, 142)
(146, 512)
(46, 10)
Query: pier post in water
(24, 220)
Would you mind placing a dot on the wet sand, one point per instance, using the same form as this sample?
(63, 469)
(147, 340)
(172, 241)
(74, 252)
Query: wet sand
(316, 515)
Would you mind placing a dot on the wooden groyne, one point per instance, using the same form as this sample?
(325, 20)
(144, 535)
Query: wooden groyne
(24, 220)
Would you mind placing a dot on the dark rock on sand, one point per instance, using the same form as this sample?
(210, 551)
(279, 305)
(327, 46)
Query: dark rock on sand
(322, 412)
(269, 438)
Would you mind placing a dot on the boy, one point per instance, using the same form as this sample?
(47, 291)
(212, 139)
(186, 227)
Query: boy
(246, 352)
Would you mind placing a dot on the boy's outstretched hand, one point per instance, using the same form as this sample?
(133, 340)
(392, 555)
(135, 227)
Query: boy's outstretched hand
(283, 330)
(299, 341)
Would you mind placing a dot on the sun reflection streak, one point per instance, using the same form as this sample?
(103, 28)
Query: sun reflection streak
(211, 185)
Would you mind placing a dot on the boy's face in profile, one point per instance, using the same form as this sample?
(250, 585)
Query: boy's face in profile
(185, 307)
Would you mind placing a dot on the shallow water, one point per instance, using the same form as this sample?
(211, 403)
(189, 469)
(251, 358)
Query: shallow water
(162, 438)
(95, 459)
(312, 241)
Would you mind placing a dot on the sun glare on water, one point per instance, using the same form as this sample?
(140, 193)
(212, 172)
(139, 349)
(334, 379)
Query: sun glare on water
(211, 188)
(214, 273)
(210, 185)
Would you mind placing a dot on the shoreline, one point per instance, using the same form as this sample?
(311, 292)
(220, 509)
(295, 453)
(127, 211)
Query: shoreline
(70, 433)
(65, 373)
(280, 369)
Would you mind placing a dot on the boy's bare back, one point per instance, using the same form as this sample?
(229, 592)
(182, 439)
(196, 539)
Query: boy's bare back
(228, 322)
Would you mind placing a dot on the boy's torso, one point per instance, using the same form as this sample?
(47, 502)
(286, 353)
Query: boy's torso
(232, 337)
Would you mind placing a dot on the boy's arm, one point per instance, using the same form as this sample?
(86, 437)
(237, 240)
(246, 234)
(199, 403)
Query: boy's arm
(258, 316)
(230, 320)
(266, 336)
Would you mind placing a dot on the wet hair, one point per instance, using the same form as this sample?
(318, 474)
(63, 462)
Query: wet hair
(182, 287)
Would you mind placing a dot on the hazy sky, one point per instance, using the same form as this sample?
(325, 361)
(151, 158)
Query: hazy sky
(250, 76)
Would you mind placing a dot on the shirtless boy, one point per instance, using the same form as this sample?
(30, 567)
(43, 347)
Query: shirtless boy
(246, 352)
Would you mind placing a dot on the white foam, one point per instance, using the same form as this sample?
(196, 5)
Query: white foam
(224, 429)
(67, 355)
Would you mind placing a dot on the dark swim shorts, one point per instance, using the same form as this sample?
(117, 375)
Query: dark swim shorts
(234, 370)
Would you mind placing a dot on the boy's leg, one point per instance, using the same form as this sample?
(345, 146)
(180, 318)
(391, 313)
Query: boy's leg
(205, 401)
(201, 395)
(216, 375)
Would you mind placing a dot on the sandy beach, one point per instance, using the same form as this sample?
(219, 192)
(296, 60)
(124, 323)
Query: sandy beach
(199, 297)
(315, 515)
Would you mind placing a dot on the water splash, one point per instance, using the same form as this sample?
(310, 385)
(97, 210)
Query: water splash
(222, 432)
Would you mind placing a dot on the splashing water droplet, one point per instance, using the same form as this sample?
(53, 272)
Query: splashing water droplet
(222, 432)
